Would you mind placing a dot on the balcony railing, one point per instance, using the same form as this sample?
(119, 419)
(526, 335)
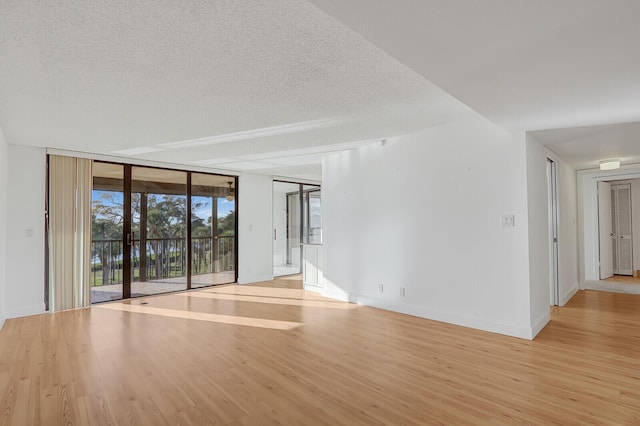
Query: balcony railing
(162, 258)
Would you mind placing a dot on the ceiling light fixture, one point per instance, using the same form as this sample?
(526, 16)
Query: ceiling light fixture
(611, 164)
(230, 192)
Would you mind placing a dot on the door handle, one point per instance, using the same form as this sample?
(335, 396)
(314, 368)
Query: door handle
(275, 234)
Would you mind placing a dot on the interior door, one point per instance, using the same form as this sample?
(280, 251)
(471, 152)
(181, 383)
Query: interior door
(622, 242)
(606, 231)
(552, 194)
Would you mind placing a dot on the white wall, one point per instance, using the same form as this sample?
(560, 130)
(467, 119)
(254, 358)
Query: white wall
(24, 289)
(255, 251)
(423, 213)
(4, 164)
(568, 233)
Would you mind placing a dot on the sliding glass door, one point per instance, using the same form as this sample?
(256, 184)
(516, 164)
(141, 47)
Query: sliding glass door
(107, 230)
(213, 229)
(158, 238)
(158, 230)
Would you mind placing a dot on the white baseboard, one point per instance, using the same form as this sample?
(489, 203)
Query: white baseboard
(1, 322)
(514, 330)
(337, 295)
(311, 287)
(539, 324)
(569, 294)
(254, 279)
(25, 311)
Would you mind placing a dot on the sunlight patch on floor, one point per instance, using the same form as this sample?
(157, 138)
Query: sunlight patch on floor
(270, 300)
(202, 316)
(249, 290)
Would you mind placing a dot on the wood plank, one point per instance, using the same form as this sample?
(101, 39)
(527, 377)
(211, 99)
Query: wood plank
(171, 361)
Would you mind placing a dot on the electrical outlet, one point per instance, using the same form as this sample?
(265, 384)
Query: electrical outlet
(380, 288)
(402, 291)
(507, 221)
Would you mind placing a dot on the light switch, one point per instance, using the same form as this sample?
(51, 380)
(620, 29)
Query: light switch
(507, 221)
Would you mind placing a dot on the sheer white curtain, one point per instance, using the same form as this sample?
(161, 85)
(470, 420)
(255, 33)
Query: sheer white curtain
(70, 184)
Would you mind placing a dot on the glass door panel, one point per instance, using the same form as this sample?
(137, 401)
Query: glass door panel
(213, 230)
(312, 220)
(158, 238)
(286, 228)
(107, 217)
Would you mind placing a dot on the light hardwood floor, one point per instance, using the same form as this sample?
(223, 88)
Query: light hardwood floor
(274, 354)
(624, 279)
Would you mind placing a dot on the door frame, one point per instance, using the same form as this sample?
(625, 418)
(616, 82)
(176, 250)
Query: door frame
(302, 193)
(553, 217)
(588, 217)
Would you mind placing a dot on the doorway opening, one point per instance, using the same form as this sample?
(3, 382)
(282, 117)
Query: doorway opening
(618, 220)
(297, 221)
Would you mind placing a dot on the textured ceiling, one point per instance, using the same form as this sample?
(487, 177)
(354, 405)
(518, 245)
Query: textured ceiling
(525, 65)
(271, 86)
(232, 78)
